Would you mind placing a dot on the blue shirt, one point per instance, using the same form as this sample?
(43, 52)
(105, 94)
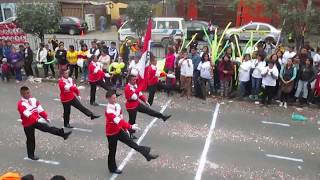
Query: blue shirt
(196, 59)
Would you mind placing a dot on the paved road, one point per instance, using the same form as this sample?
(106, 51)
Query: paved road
(237, 148)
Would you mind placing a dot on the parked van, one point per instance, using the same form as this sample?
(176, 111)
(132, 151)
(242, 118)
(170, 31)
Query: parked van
(162, 29)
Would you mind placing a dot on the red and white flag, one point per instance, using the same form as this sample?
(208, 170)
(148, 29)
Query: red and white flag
(144, 61)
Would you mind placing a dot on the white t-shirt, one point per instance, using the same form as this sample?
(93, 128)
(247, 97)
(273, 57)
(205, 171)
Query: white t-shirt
(133, 65)
(316, 58)
(257, 69)
(268, 80)
(186, 67)
(244, 71)
(286, 56)
(205, 70)
(105, 61)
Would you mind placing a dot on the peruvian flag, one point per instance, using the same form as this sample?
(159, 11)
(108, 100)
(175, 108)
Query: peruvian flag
(144, 61)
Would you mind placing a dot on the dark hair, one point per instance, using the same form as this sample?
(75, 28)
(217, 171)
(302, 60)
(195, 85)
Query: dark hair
(170, 50)
(271, 62)
(58, 177)
(41, 44)
(205, 54)
(61, 42)
(27, 177)
(23, 89)
(21, 46)
(205, 47)
(113, 43)
(110, 93)
(260, 55)
(194, 48)
(226, 55)
(184, 50)
(84, 45)
(71, 47)
(246, 55)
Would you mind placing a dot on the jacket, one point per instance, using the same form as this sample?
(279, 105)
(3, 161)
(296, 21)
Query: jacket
(68, 89)
(114, 120)
(151, 75)
(95, 72)
(61, 56)
(30, 111)
(133, 94)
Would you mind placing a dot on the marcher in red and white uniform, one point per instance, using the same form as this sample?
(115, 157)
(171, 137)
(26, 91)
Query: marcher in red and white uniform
(70, 96)
(116, 128)
(33, 117)
(152, 75)
(136, 101)
(97, 78)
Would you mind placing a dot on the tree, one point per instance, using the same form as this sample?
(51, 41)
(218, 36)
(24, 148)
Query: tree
(38, 18)
(299, 16)
(138, 14)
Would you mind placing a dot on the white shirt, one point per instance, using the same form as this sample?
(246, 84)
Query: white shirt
(133, 65)
(286, 56)
(42, 55)
(205, 70)
(316, 58)
(186, 68)
(105, 61)
(268, 80)
(244, 71)
(257, 69)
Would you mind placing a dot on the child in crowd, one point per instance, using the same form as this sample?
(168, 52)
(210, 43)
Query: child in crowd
(5, 70)
(170, 83)
(244, 74)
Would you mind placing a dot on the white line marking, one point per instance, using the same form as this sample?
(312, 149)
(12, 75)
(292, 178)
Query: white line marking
(56, 99)
(83, 130)
(43, 161)
(284, 157)
(207, 144)
(103, 105)
(19, 120)
(132, 151)
(275, 123)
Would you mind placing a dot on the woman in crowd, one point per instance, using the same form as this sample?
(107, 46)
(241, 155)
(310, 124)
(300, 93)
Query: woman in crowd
(104, 59)
(16, 62)
(257, 66)
(84, 60)
(226, 72)
(205, 50)
(61, 56)
(206, 74)
(269, 80)
(28, 56)
(72, 58)
(287, 76)
(41, 58)
(244, 74)
(307, 74)
(50, 63)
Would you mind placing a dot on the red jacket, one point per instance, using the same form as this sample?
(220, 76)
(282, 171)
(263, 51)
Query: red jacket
(114, 120)
(225, 66)
(95, 72)
(132, 94)
(151, 77)
(68, 89)
(317, 86)
(30, 111)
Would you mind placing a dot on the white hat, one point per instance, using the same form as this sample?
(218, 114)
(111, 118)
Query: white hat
(4, 60)
(134, 72)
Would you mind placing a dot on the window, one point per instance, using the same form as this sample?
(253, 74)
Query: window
(173, 24)
(264, 28)
(126, 26)
(251, 27)
(153, 24)
(7, 13)
(1, 18)
(161, 25)
(66, 21)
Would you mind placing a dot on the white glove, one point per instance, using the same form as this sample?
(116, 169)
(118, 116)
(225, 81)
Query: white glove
(107, 75)
(148, 103)
(44, 121)
(135, 127)
(79, 97)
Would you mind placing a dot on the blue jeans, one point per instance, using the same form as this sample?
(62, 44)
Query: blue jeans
(256, 85)
(17, 72)
(85, 71)
(242, 88)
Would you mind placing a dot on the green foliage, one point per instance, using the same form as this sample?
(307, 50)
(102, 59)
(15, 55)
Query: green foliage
(38, 18)
(138, 14)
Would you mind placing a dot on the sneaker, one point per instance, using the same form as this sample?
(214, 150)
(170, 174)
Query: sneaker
(281, 104)
(66, 135)
(151, 157)
(117, 171)
(93, 116)
(165, 117)
(285, 105)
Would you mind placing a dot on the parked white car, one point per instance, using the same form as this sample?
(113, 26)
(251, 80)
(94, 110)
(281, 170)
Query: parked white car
(260, 30)
(163, 28)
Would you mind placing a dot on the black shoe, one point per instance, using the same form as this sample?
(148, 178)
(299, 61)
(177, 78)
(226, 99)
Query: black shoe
(94, 116)
(34, 158)
(68, 126)
(165, 117)
(151, 157)
(133, 136)
(117, 171)
(66, 135)
(94, 104)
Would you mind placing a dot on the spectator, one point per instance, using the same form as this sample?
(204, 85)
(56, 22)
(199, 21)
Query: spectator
(134, 63)
(206, 74)
(196, 59)
(269, 47)
(257, 66)
(41, 59)
(244, 74)
(7, 49)
(61, 56)
(104, 59)
(205, 50)
(16, 62)
(170, 83)
(226, 72)
(94, 50)
(113, 52)
(54, 42)
(269, 80)
(50, 62)
(28, 56)
(288, 74)
(303, 55)
(170, 60)
(186, 71)
(5, 70)
(307, 74)
(72, 57)
(317, 88)
(102, 22)
(316, 57)
(83, 60)
(289, 53)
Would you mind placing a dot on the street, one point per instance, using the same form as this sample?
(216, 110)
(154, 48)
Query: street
(217, 139)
